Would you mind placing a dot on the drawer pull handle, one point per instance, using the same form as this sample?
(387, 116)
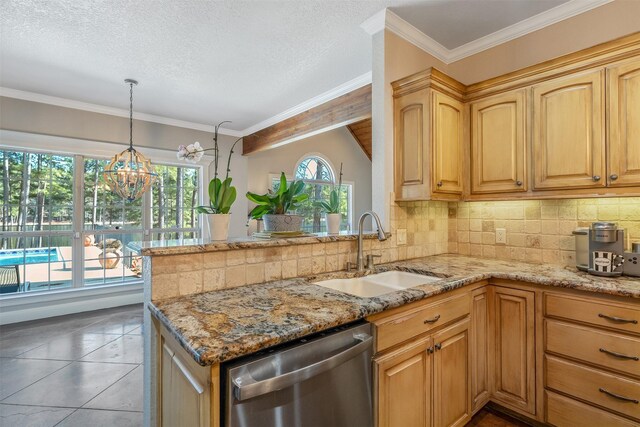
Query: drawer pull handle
(434, 320)
(618, 319)
(621, 356)
(617, 396)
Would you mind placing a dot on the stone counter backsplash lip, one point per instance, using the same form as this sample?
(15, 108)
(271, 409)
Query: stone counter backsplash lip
(193, 246)
(221, 325)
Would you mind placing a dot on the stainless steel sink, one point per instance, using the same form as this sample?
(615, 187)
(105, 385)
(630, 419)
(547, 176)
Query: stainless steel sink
(378, 284)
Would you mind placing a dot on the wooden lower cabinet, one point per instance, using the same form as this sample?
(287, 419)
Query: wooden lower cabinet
(404, 385)
(479, 344)
(426, 382)
(514, 349)
(188, 395)
(451, 391)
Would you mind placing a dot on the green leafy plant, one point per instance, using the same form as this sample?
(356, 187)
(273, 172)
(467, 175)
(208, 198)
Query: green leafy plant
(332, 206)
(285, 199)
(221, 196)
(221, 193)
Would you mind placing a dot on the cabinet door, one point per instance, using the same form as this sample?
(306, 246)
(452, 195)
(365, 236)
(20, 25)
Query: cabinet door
(451, 391)
(514, 349)
(479, 348)
(447, 144)
(411, 154)
(185, 398)
(624, 124)
(404, 386)
(568, 134)
(498, 144)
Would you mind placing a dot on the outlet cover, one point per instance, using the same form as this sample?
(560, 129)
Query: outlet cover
(401, 236)
(501, 236)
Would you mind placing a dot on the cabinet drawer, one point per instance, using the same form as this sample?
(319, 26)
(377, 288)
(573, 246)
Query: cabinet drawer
(413, 322)
(565, 412)
(613, 351)
(596, 312)
(593, 386)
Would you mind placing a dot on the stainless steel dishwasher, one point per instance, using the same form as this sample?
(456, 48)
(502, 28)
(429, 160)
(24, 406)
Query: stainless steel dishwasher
(320, 381)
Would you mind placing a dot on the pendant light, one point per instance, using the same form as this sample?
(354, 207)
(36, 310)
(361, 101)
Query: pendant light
(130, 174)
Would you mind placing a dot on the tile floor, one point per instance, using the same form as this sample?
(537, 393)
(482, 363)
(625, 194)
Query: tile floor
(78, 370)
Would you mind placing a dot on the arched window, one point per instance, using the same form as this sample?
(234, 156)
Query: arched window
(314, 169)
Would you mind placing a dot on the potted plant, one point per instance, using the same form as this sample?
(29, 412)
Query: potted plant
(331, 207)
(272, 207)
(221, 193)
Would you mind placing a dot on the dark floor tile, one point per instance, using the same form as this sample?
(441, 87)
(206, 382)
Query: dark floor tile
(72, 386)
(32, 416)
(72, 346)
(16, 374)
(125, 395)
(126, 349)
(99, 418)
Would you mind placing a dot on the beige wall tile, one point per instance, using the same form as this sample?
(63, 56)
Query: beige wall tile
(235, 276)
(255, 273)
(236, 257)
(273, 271)
(213, 279)
(289, 268)
(214, 259)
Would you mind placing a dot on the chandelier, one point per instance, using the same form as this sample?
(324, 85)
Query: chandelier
(129, 173)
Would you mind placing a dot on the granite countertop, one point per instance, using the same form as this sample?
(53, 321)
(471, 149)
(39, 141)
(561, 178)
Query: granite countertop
(221, 325)
(190, 246)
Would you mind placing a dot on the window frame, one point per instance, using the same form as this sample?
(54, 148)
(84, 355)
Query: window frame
(79, 150)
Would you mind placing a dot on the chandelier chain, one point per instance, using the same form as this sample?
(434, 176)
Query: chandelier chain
(131, 115)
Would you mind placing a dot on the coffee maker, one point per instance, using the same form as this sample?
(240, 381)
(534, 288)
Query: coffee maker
(606, 249)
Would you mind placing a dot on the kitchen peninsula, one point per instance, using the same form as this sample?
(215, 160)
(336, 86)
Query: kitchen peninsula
(511, 313)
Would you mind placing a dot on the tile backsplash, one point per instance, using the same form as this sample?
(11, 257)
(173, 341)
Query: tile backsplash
(537, 230)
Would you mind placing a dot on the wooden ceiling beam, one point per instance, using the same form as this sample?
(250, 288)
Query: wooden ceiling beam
(361, 132)
(342, 111)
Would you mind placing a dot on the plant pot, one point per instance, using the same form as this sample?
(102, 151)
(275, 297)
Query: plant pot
(218, 226)
(110, 258)
(282, 222)
(333, 222)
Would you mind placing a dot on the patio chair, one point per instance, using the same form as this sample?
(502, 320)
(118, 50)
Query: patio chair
(10, 280)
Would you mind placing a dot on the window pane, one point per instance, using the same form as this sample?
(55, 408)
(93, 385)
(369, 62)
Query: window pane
(174, 197)
(46, 263)
(111, 259)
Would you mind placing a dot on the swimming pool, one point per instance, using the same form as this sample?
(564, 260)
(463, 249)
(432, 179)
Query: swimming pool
(28, 256)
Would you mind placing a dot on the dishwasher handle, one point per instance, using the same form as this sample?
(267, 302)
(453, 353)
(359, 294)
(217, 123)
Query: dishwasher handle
(245, 387)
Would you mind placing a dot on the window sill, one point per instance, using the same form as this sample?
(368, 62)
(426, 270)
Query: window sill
(30, 306)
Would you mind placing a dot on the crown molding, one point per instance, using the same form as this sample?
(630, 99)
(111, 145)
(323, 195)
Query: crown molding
(529, 25)
(111, 111)
(343, 89)
(386, 19)
(411, 34)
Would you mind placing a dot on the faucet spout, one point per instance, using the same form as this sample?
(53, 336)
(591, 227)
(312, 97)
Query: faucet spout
(381, 236)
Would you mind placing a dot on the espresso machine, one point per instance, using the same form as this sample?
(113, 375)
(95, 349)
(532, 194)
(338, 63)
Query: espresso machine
(606, 249)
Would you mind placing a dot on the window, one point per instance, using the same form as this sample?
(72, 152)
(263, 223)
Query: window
(41, 217)
(320, 178)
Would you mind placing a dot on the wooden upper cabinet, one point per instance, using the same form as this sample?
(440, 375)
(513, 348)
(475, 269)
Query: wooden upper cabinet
(428, 137)
(568, 133)
(624, 124)
(411, 154)
(498, 144)
(447, 144)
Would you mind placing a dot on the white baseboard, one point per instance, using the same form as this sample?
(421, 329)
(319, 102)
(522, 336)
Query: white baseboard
(25, 307)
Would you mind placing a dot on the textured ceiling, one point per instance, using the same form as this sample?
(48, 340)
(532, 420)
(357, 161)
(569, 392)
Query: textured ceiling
(207, 61)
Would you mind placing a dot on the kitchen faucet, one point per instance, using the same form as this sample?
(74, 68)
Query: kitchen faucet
(381, 236)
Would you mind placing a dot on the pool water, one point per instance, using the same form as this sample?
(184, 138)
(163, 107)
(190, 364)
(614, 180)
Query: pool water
(28, 256)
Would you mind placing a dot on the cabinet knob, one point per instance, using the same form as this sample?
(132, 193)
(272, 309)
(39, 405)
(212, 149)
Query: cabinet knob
(438, 346)
(430, 350)
(613, 177)
(596, 177)
(519, 183)
(439, 184)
